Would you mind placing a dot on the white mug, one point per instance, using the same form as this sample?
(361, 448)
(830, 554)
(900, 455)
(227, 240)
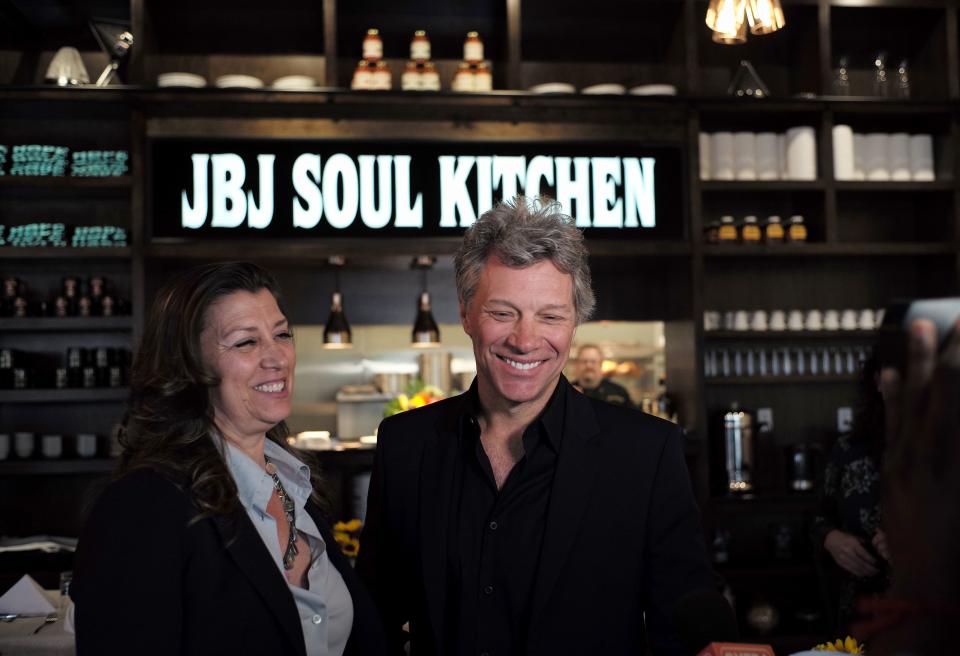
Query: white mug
(23, 444)
(878, 317)
(831, 320)
(4, 446)
(51, 446)
(866, 321)
(759, 320)
(729, 320)
(778, 320)
(741, 320)
(814, 320)
(848, 319)
(795, 320)
(86, 445)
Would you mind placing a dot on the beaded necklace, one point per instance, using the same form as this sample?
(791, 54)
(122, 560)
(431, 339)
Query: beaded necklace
(290, 553)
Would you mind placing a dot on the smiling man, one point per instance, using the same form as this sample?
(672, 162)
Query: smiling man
(523, 517)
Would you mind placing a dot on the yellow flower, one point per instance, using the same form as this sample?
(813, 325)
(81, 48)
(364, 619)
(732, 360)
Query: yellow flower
(352, 526)
(350, 548)
(846, 646)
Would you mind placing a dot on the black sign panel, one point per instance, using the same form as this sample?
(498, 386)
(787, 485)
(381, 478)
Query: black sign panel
(216, 189)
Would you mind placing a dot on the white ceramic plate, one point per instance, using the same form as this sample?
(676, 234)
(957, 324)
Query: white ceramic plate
(654, 90)
(605, 90)
(294, 83)
(181, 80)
(553, 87)
(238, 82)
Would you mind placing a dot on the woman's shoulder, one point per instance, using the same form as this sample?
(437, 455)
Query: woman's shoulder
(144, 490)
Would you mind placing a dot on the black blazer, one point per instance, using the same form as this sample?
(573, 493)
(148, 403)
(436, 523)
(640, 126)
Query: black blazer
(622, 536)
(147, 581)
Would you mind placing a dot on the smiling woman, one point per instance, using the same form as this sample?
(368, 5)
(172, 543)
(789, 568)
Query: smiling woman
(208, 495)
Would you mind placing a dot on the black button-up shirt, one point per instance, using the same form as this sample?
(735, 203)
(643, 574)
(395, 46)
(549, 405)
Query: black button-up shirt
(494, 548)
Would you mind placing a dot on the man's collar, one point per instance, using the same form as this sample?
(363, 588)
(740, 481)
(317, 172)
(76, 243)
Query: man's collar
(551, 417)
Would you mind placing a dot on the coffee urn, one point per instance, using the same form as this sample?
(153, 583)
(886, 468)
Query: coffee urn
(738, 446)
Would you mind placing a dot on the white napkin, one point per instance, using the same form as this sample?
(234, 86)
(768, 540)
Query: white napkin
(68, 625)
(26, 597)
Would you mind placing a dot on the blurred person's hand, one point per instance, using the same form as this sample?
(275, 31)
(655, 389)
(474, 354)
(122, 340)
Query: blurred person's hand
(880, 544)
(850, 554)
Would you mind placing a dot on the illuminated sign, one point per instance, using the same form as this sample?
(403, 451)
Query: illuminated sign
(202, 189)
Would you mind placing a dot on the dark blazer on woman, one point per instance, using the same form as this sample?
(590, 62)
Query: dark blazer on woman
(622, 538)
(148, 581)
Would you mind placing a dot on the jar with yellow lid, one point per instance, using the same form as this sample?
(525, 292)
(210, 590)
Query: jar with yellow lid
(773, 232)
(473, 48)
(727, 234)
(750, 233)
(412, 77)
(429, 77)
(420, 46)
(372, 46)
(797, 231)
(482, 77)
(382, 80)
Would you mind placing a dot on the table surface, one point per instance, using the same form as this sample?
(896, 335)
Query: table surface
(18, 638)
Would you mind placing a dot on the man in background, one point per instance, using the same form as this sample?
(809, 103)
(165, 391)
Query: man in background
(590, 380)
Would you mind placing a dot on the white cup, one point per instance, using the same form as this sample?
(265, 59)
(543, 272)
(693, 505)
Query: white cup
(848, 319)
(831, 320)
(741, 320)
(51, 446)
(814, 320)
(4, 446)
(878, 317)
(795, 320)
(23, 444)
(86, 445)
(759, 320)
(778, 320)
(866, 320)
(729, 319)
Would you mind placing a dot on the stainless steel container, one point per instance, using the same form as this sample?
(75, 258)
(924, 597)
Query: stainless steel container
(435, 370)
(738, 445)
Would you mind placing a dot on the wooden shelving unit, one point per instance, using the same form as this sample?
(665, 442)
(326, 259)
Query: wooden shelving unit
(868, 240)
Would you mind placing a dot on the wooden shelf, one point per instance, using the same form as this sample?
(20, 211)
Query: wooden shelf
(57, 466)
(794, 379)
(71, 395)
(731, 186)
(116, 253)
(874, 187)
(788, 335)
(879, 249)
(753, 502)
(72, 324)
(66, 182)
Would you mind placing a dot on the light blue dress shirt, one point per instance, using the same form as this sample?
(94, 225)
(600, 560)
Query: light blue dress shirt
(326, 609)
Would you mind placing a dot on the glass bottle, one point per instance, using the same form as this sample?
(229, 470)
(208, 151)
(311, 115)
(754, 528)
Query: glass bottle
(797, 232)
(727, 234)
(881, 87)
(473, 48)
(372, 46)
(750, 232)
(841, 77)
(420, 46)
(903, 80)
(773, 234)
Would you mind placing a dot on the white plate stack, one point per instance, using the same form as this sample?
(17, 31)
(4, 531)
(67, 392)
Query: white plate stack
(294, 83)
(604, 90)
(238, 82)
(654, 90)
(552, 88)
(179, 79)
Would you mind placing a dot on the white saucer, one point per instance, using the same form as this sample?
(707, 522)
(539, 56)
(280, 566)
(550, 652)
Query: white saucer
(238, 82)
(605, 90)
(295, 83)
(654, 90)
(553, 87)
(190, 80)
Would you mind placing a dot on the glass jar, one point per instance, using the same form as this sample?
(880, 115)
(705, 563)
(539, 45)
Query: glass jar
(727, 234)
(797, 232)
(412, 78)
(482, 77)
(473, 48)
(362, 77)
(381, 80)
(750, 232)
(773, 233)
(711, 233)
(429, 77)
(372, 46)
(463, 78)
(420, 46)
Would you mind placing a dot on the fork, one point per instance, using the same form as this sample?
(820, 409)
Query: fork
(49, 619)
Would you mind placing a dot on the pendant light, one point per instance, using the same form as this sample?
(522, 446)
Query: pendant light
(765, 16)
(726, 16)
(426, 333)
(337, 333)
(735, 38)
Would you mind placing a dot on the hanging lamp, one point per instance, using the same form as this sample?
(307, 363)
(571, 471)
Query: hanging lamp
(337, 333)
